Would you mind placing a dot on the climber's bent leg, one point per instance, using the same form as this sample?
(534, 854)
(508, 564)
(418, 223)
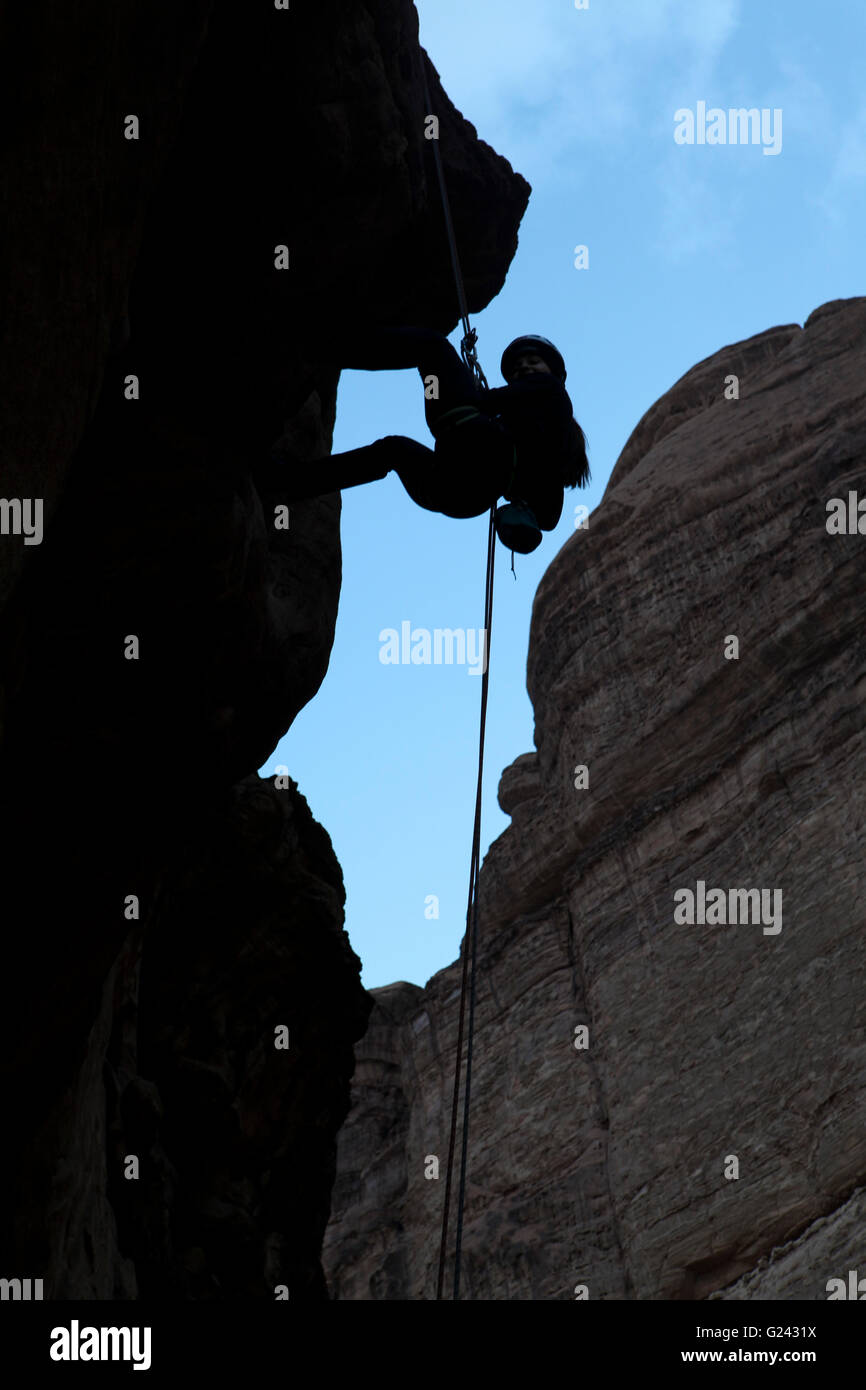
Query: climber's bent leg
(459, 479)
(465, 475)
(299, 481)
(462, 478)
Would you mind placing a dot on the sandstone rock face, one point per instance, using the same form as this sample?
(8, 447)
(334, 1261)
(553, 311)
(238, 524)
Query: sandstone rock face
(831, 1245)
(162, 912)
(612, 1165)
(372, 1181)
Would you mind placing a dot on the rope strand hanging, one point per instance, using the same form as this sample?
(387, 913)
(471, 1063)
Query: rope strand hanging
(470, 357)
(467, 346)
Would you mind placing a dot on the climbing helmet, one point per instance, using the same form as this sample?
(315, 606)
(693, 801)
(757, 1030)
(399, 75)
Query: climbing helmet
(532, 342)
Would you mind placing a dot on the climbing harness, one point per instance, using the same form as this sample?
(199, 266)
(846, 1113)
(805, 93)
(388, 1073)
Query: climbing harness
(459, 415)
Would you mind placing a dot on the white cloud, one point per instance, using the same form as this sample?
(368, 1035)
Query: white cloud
(848, 170)
(695, 216)
(539, 81)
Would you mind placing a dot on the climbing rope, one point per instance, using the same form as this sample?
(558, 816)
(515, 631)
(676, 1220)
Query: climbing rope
(471, 924)
(467, 346)
(470, 357)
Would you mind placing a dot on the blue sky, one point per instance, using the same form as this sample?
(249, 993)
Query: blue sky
(691, 247)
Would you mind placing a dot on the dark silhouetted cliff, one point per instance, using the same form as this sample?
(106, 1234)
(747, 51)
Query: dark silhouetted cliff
(164, 910)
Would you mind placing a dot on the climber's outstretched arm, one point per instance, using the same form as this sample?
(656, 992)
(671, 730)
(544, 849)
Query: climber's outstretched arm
(447, 380)
(392, 347)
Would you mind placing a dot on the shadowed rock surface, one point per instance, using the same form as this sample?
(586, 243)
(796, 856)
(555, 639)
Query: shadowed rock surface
(149, 1031)
(605, 1166)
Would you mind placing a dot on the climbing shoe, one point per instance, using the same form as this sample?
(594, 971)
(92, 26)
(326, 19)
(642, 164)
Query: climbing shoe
(517, 528)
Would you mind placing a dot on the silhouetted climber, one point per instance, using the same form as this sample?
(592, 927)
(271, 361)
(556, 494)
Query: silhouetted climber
(519, 441)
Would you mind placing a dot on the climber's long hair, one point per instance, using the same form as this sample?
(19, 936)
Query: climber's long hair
(576, 472)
